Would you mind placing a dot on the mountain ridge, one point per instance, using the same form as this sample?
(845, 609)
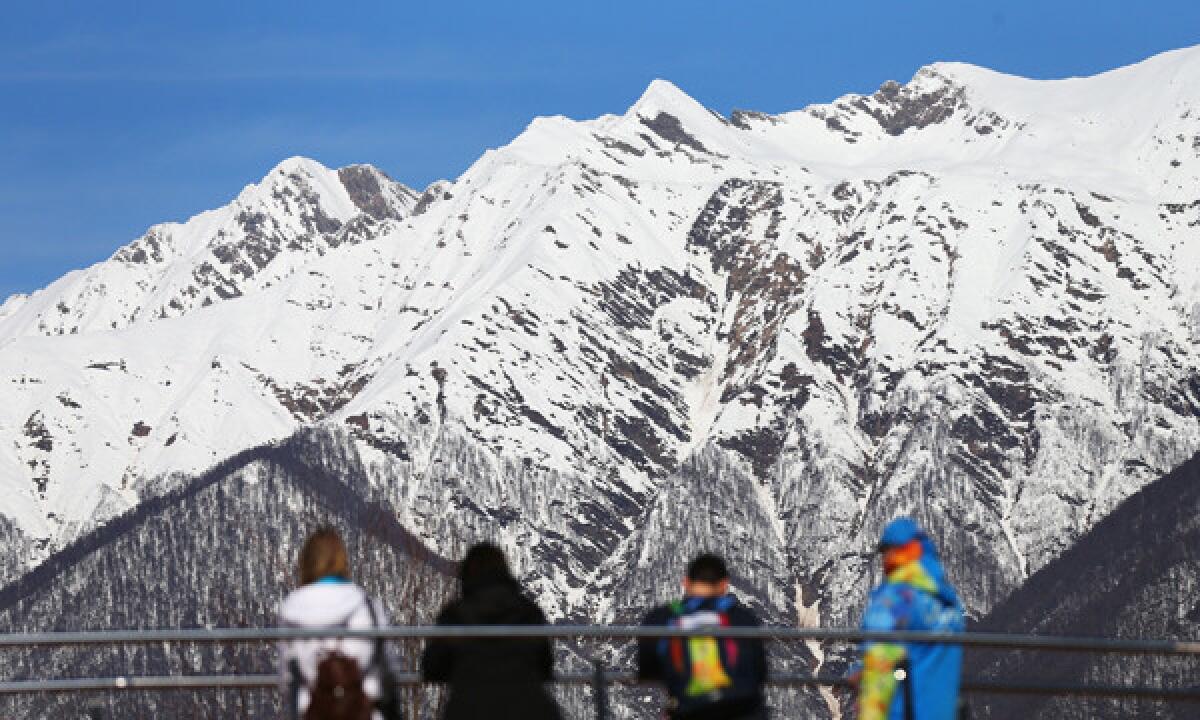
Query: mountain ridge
(218, 551)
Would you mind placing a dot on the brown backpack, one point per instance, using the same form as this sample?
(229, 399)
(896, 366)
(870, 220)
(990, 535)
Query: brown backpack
(338, 692)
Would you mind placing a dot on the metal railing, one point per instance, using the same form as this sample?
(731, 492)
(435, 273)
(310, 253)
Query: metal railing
(600, 677)
(417, 632)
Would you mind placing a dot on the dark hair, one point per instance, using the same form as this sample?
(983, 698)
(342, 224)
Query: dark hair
(707, 568)
(483, 564)
(323, 554)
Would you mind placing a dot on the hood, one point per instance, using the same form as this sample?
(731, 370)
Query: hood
(321, 604)
(904, 530)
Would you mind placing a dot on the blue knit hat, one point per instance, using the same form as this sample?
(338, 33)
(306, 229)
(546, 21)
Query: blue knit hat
(900, 531)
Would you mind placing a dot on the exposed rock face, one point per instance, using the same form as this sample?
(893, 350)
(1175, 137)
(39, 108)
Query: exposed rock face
(804, 324)
(377, 195)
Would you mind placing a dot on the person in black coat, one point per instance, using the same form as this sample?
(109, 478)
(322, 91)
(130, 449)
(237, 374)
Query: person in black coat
(500, 679)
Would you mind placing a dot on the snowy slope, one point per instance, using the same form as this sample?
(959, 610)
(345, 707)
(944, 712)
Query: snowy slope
(129, 365)
(972, 297)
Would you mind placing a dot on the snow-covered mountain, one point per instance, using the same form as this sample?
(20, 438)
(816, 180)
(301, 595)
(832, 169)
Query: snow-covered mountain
(973, 297)
(301, 211)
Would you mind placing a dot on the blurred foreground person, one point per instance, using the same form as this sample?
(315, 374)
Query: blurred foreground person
(707, 678)
(910, 681)
(333, 678)
(500, 679)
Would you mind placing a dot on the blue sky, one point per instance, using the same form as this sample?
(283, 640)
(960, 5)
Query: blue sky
(116, 115)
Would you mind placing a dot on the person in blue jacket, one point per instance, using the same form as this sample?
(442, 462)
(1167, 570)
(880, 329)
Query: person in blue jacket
(910, 681)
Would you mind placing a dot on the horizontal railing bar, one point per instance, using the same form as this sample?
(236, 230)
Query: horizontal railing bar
(988, 640)
(204, 682)
(1108, 691)
(144, 682)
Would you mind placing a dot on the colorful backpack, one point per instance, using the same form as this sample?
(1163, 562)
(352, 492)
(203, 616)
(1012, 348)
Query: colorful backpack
(699, 668)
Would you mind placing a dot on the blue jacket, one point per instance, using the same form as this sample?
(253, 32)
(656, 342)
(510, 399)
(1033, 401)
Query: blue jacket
(914, 597)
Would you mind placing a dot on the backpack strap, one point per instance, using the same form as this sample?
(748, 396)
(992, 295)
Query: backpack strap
(378, 655)
(297, 681)
(388, 703)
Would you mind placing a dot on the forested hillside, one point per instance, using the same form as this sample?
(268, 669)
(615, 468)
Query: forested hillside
(1135, 575)
(217, 552)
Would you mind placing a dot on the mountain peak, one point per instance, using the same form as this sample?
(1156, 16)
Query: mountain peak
(367, 168)
(663, 96)
(298, 163)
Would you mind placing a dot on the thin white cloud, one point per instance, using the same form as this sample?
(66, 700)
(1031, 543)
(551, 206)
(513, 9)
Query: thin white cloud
(245, 57)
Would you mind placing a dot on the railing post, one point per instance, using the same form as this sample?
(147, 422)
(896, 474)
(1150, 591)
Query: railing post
(599, 691)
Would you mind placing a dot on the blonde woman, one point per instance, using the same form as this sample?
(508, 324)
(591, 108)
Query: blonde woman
(333, 678)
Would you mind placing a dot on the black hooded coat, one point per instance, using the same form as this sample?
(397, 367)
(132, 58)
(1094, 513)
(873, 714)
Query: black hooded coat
(499, 679)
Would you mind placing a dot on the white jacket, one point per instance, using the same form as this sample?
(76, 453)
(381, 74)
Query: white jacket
(326, 604)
